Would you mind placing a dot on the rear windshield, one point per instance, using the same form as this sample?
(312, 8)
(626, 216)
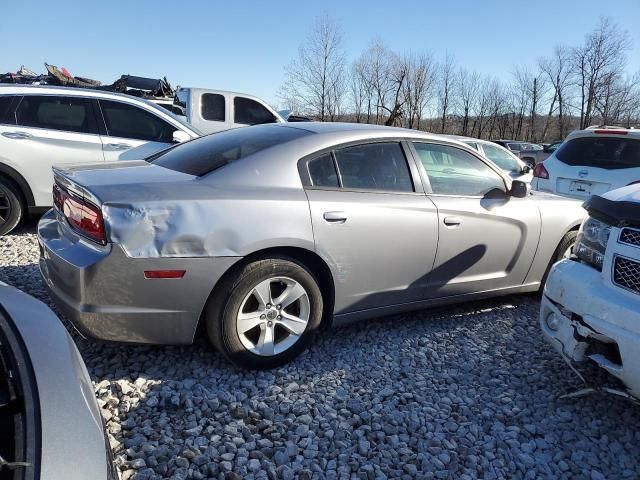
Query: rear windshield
(206, 154)
(603, 152)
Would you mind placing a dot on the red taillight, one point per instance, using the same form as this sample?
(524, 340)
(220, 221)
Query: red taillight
(164, 273)
(606, 131)
(540, 172)
(81, 215)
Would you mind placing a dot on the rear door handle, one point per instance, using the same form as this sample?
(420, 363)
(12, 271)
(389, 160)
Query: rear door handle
(117, 146)
(335, 217)
(17, 135)
(452, 221)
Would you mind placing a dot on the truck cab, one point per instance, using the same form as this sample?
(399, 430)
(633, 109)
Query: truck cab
(212, 111)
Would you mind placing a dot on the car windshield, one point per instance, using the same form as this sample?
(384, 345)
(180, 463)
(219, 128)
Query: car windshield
(175, 117)
(604, 152)
(206, 154)
(502, 158)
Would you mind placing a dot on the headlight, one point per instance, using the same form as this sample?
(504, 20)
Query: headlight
(591, 242)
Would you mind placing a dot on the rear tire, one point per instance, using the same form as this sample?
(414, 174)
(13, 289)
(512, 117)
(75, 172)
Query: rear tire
(564, 250)
(259, 334)
(11, 206)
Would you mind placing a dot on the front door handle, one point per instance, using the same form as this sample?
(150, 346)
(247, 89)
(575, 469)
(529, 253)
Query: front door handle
(335, 217)
(452, 221)
(17, 135)
(117, 146)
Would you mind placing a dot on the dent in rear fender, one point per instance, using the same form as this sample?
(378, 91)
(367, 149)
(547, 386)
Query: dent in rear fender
(221, 227)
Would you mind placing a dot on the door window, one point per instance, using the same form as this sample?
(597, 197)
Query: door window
(69, 114)
(128, 121)
(375, 166)
(250, 112)
(5, 104)
(323, 172)
(452, 171)
(212, 107)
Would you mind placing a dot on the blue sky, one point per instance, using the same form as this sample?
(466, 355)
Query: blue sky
(244, 45)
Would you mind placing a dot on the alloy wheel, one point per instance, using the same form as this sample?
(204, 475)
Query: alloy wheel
(273, 316)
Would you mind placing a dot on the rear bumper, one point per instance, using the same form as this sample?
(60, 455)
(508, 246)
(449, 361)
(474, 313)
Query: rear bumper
(596, 322)
(106, 295)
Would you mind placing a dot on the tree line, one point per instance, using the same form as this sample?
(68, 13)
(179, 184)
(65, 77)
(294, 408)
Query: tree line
(573, 87)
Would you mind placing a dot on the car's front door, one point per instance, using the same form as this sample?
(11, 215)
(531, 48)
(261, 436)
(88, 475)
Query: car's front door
(372, 224)
(487, 239)
(132, 133)
(46, 130)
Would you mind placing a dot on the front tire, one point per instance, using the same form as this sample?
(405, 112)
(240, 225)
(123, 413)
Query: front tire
(11, 206)
(564, 250)
(264, 314)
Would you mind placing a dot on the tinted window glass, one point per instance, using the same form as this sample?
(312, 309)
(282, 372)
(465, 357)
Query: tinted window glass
(206, 154)
(502, 158)
(514, 146)
(212, 107)
(181, 98)
(453, 171)
(472, 145)
(5, 103)
(129, 121)
(375, 166)
(69, 114)
(250, 112)
(603, 152)
(323, 172)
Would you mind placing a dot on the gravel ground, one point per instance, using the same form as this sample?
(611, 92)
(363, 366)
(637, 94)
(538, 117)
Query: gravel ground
(460, 392)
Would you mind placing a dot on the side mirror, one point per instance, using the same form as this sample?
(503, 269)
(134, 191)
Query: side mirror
(179, 136)
(519, 189)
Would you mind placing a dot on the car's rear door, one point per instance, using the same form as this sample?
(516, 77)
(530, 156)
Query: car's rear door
(131, 132)
(372, 223)
(45, 130)
(487, 239)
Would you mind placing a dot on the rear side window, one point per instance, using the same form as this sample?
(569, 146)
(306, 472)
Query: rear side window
(206, 154)
(5, 103)
(69, 114)
(375, 166)
(603, 152)
(322, 172)
(212, 107)
(128, 121)
(250, 112)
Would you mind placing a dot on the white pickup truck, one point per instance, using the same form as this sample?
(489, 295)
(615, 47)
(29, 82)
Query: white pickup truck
(212, 111)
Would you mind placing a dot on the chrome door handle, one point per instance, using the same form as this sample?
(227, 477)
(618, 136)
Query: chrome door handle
(452, 221)
(117, 146)
(335, 217)
(16, 135)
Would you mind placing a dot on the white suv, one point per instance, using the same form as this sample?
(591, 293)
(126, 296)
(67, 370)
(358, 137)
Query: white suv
(591, 305)
(42, 126)
(591, 162)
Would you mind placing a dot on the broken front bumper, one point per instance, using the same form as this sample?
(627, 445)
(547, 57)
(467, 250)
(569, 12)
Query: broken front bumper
(593, 320)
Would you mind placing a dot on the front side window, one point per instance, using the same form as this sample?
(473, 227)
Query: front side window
(473, 145)
(250, 112)
(453, 171)
(69, 114)
(206, 154)
(5, 104)
(212, 107)
(603, 152)
(502, 158)
(375, 166)
(128, 121)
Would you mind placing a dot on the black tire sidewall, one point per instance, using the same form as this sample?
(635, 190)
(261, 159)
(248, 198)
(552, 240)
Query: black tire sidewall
(221, 321)
(15, 207)
(568, 239)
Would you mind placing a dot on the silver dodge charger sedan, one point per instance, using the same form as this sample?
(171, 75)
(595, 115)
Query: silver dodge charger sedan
(263, 235)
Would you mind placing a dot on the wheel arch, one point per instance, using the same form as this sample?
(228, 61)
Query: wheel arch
(308, 258)
(13, 175)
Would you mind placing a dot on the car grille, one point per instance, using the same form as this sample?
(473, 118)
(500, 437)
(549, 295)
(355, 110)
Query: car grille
(630, 236)
(626, 273)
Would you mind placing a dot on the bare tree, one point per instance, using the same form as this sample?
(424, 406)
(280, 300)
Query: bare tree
(446, 84)
(316, 78)
(468, 84)
(558, 73)
(602, 55)
(417, 86)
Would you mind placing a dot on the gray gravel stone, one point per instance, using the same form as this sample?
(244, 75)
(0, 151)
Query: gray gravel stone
(467, 391)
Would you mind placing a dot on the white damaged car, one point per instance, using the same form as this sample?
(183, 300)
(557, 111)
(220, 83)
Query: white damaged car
(591, 304)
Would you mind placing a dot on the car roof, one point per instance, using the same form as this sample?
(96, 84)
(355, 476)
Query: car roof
(19, 89)
(362, 128)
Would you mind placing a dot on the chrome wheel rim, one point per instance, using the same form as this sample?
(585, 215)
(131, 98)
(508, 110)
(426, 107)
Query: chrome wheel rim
(568, 252)
(5, 207)
(273, 316)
